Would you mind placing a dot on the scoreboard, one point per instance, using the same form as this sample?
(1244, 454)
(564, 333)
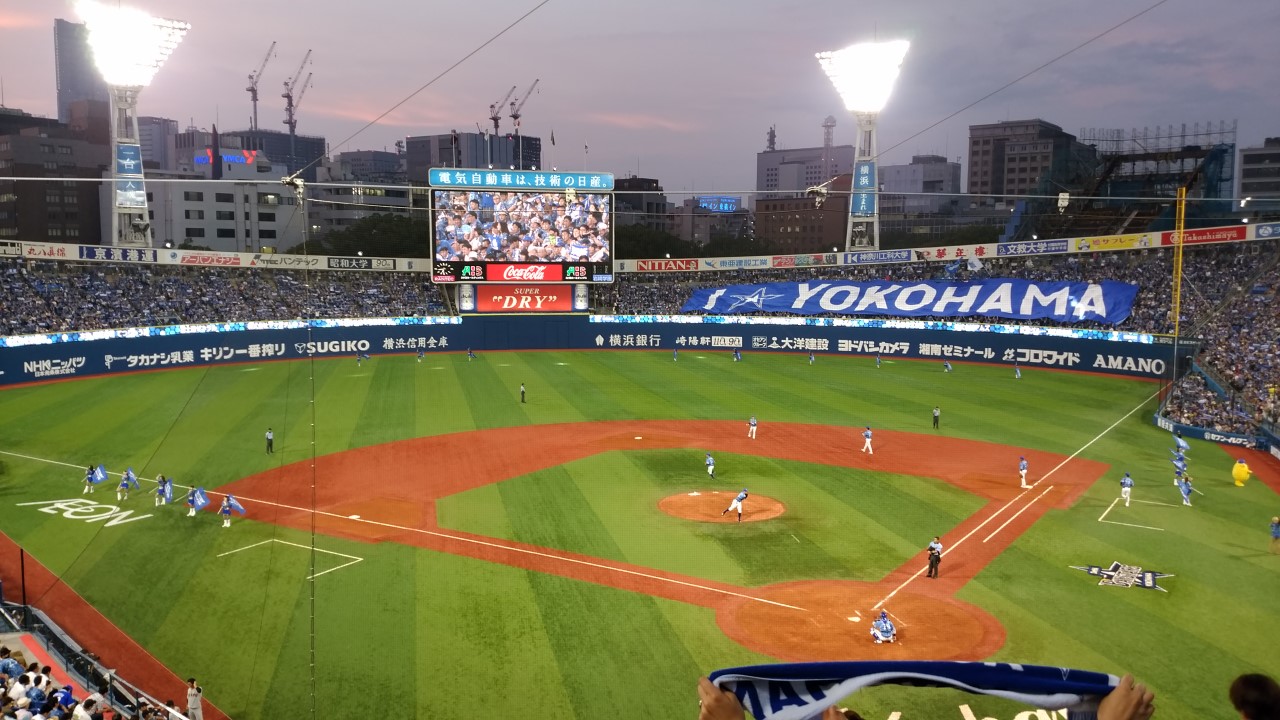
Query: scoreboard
(521, 226)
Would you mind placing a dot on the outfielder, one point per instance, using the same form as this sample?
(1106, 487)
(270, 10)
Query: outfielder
(866, 441)
(711, 466)
(1022, 472)
(751, 427)
(1126, 485)
(736, 504)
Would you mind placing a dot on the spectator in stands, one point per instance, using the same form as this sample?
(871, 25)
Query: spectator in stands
(1256, 697)
(9, 666)
(87, 710)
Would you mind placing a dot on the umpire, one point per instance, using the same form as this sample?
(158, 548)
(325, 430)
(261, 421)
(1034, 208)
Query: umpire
(935, 557)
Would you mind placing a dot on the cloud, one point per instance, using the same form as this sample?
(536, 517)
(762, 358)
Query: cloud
(640, 121)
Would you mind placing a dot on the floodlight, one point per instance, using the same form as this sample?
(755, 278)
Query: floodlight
(129, 45)
(864, 73)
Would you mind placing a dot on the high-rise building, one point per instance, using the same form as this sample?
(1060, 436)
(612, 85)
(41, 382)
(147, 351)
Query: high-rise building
(47, 207)
(797, 224)
(640, 201)
(369, 166)
(1260, 170)
(298, 151)
(154, 134)
(470, 150)
(907, 188)
(1015, 156)
(783, 173)
(76, 74)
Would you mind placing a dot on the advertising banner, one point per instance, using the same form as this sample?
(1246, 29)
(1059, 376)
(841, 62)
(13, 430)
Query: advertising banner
(108, 253)
(688, 265)
(9, 248)
(524, 298)
(524, 272)
(1107, 302)
(519, 179)
(1190, 431)
(128, 160)
(817, 260)
(360, 263)
(1116, 242)
(131, 194)
(1231, 233)
(1265, 231)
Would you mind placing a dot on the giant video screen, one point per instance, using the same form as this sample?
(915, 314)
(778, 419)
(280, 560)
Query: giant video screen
(518, 237)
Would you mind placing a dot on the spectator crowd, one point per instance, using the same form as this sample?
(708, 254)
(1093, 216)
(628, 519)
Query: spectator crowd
(1229, 295)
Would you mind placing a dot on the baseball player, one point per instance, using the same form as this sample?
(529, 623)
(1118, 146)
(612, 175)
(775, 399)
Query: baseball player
(470, 355)
(1126, 485)
(1017, 371)
(810, 357)
(882, 630)
(675, 355)
(421, 353)
(1275, 536)
(711, 466)
(737, 355)
(877, 360)
(1185, 488)
(1022, 472)
(751, 427)
(736, 504)
(946, 366)
(937, 415)
(866, 441)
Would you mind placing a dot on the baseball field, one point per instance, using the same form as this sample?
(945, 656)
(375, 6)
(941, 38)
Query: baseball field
(453, 552)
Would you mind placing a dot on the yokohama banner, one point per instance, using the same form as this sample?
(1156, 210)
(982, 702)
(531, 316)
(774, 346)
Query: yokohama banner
(524, 298)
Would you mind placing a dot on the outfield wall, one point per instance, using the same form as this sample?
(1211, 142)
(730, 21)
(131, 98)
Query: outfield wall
(34, 358)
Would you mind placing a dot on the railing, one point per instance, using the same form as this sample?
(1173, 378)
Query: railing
(120, 694)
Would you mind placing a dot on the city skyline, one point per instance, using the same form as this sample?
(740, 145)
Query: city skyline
(688, 104)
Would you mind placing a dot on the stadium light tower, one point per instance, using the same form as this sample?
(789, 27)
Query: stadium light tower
(864, 74)
(128, 47)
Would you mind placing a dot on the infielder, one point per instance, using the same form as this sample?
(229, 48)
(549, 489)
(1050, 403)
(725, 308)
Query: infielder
(1126, 485)
(751, 427)
(736, 504)
(711, 466)
(1022, 472)
(866, 441)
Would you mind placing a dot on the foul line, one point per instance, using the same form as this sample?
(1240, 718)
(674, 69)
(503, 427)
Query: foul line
(460, 538)
(352, 558)
(1117, 522)
(1153, 502)
(1046, 476)
(1015, 515)
(1104, 512)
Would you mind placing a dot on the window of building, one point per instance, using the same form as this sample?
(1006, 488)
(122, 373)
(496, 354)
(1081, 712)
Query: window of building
(149, 198)
(8, 197)
(195, 232)
(4, 146)
(151, 214)
(64, 150)
(71, 199)
(267, 234)
(227, 233)
(193, 196)
(50, 165)
(52, 197)
(194, 214)
(266, 217)
(225, 215)
(224, 197)
(5, 163)
(268, 199)
(46, 149)
(54, 232)
(73, 232)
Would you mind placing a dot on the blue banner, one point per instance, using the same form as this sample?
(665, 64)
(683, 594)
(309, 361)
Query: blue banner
(1107, 302)
(519, 179)
(863, 201)
(128, 160)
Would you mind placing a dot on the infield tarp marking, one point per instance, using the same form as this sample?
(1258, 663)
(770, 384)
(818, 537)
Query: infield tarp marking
(351, 559)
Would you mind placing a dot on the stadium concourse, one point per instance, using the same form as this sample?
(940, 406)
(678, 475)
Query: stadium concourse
(1229, 299)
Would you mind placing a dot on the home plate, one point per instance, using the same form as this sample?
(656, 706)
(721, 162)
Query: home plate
(854, 619)
(638, 437)
(353, 517)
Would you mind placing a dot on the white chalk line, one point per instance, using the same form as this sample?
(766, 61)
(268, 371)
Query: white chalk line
(1004, 507)
(1015, 515)
(459, 538)
(352, 559)
(1117, 522)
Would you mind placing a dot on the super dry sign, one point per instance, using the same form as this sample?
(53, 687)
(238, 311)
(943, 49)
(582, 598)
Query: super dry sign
(524, 298)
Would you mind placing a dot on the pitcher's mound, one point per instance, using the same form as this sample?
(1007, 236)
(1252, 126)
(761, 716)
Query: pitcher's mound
(706, 506)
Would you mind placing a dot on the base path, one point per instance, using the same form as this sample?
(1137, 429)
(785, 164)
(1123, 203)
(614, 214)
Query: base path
(710, 506)
(796, 621)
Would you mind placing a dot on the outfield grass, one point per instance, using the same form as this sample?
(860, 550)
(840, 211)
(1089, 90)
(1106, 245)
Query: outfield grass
(458, 637)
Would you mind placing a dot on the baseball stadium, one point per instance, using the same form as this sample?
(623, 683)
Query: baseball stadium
(522, 469)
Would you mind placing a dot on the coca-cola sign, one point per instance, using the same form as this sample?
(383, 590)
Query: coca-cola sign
(525, 298)
(524, 272)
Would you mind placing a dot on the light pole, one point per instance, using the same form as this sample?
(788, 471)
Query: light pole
(128, 46)
(864, 74)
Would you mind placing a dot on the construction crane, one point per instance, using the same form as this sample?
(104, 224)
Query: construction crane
(297, 102)
(495, 110)
(291, 107)
(515, 119)
(253, 82)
